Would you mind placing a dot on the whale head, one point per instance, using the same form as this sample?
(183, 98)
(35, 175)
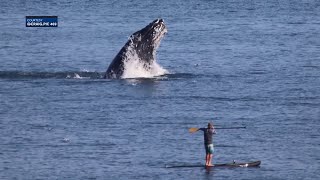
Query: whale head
(147, 40)
(140, 50)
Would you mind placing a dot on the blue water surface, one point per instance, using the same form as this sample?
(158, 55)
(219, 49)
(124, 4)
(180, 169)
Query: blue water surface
(234, 63)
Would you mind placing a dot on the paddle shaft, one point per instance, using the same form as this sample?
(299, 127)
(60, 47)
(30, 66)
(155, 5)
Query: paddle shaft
(192, 130)
(241, 127)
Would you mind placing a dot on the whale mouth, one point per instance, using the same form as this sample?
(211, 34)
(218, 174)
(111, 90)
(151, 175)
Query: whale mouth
(159, 26)
(152, 34)
(159, 29)
(147, 40)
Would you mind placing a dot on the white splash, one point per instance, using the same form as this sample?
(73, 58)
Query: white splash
(75, 76)
(134, 67)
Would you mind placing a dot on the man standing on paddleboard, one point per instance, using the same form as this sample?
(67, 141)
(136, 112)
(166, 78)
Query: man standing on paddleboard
(208, 143)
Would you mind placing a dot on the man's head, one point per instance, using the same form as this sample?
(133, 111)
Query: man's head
(210, 125)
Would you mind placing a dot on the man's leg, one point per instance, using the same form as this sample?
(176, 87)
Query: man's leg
(210, 160)
(207, 159)
(207, 154)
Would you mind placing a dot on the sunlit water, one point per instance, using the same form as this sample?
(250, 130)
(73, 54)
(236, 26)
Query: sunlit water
(235, 63)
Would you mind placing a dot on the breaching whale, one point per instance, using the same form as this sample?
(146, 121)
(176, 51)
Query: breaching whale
(141, 46)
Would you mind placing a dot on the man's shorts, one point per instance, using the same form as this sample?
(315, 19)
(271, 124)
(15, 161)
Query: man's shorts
(209, 148)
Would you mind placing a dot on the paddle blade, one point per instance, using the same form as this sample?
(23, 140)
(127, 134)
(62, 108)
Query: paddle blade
(192, 130)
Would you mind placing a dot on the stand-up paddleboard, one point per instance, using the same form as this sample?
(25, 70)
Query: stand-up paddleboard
(233, 164)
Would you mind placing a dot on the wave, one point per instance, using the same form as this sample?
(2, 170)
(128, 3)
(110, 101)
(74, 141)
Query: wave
(49, 75)
(84, 75)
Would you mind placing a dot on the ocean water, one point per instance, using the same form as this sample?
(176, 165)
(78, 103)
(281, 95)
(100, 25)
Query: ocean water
(233, 63)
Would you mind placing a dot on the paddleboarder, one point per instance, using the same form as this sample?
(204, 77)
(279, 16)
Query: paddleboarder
(208, 143)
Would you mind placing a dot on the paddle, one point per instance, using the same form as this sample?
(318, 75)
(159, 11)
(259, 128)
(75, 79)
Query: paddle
(192, 130)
